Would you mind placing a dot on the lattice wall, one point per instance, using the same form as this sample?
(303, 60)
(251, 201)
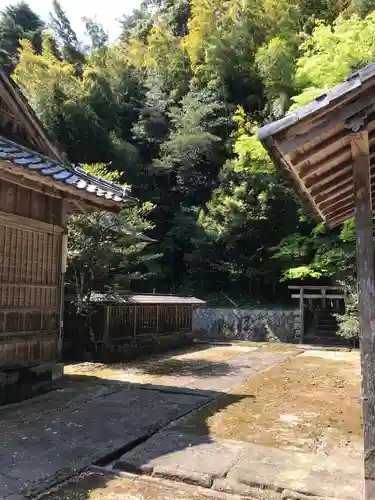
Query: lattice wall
(30, 266)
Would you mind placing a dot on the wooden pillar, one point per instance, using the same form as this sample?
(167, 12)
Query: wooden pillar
(157, 319)
(106, 322)
(64, 259)
(134, 321)
(366, 291)
(302, 316)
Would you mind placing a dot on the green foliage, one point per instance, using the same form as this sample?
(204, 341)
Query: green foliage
(349, 325)
(332, 52)
(172, 109)
(18, 22)
(102, 244)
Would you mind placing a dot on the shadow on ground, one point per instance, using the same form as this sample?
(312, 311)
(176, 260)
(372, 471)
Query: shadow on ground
(87, 418)
(186, 367)
(167, 365)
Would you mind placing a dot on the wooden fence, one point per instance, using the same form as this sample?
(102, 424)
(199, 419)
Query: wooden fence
(123, 329)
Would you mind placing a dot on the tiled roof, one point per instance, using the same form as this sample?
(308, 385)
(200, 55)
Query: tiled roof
(142, 299)
(69, 175)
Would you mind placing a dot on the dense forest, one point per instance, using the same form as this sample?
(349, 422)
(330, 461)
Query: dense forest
(172, 109)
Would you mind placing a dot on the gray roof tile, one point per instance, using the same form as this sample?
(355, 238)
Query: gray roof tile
(66, 174)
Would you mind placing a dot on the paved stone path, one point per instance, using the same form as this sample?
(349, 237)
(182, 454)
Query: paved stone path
(49, 438)
(238, 467)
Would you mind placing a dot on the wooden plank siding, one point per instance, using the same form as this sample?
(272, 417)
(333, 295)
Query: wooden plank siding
(30, 267)
(126, 328)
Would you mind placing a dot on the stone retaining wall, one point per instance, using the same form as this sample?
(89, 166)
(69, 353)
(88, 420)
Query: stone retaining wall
(273, 325)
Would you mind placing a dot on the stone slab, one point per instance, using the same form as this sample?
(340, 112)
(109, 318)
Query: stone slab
(9, 487)
(186, 476)
(174, 451)
(306, 473)
(234, 488)
(244, 466)
(56, 442)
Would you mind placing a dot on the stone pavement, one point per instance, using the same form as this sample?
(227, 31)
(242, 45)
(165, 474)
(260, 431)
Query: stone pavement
(51, 437)
(63, 436)
(237, 467)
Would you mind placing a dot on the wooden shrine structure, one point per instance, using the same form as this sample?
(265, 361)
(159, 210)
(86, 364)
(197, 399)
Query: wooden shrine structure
(39, 188)
(327, 150)
(124, 326)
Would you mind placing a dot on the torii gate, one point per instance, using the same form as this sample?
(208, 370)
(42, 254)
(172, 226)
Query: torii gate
(327, 150)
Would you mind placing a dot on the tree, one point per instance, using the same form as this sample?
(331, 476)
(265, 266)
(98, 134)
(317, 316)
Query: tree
(70, 46)
(159, 108)
(103, 251)
(18, 22)
(248, 214)
(97, 34)
(331, 53)
(349, 322)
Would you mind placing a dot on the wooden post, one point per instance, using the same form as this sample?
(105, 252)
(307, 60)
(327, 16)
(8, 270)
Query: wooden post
(63, 257)
(107, 315)
(366, 291)
(135, 321)
(301, 315)
(157, 319)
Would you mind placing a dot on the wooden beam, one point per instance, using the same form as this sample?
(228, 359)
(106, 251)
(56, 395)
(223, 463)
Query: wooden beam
(340, 218)
(333, 191)
(18, 221)
(366, 290)
(339, 141)
(315, 183)
(107, 315)
(340, 157)
(26, 183)
(101, 203)
(334, 144)
(319, 295)
(63, 266)
(335, 119)
(80, 206)
(314, 287)
(313, 173)
(339, 208)
(341, 199)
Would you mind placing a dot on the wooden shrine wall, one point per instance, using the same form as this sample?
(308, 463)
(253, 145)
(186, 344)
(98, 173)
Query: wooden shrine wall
(30, 266)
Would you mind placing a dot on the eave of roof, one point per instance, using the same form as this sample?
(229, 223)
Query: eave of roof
(312, 146)
(64, 177)
(319, 104)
